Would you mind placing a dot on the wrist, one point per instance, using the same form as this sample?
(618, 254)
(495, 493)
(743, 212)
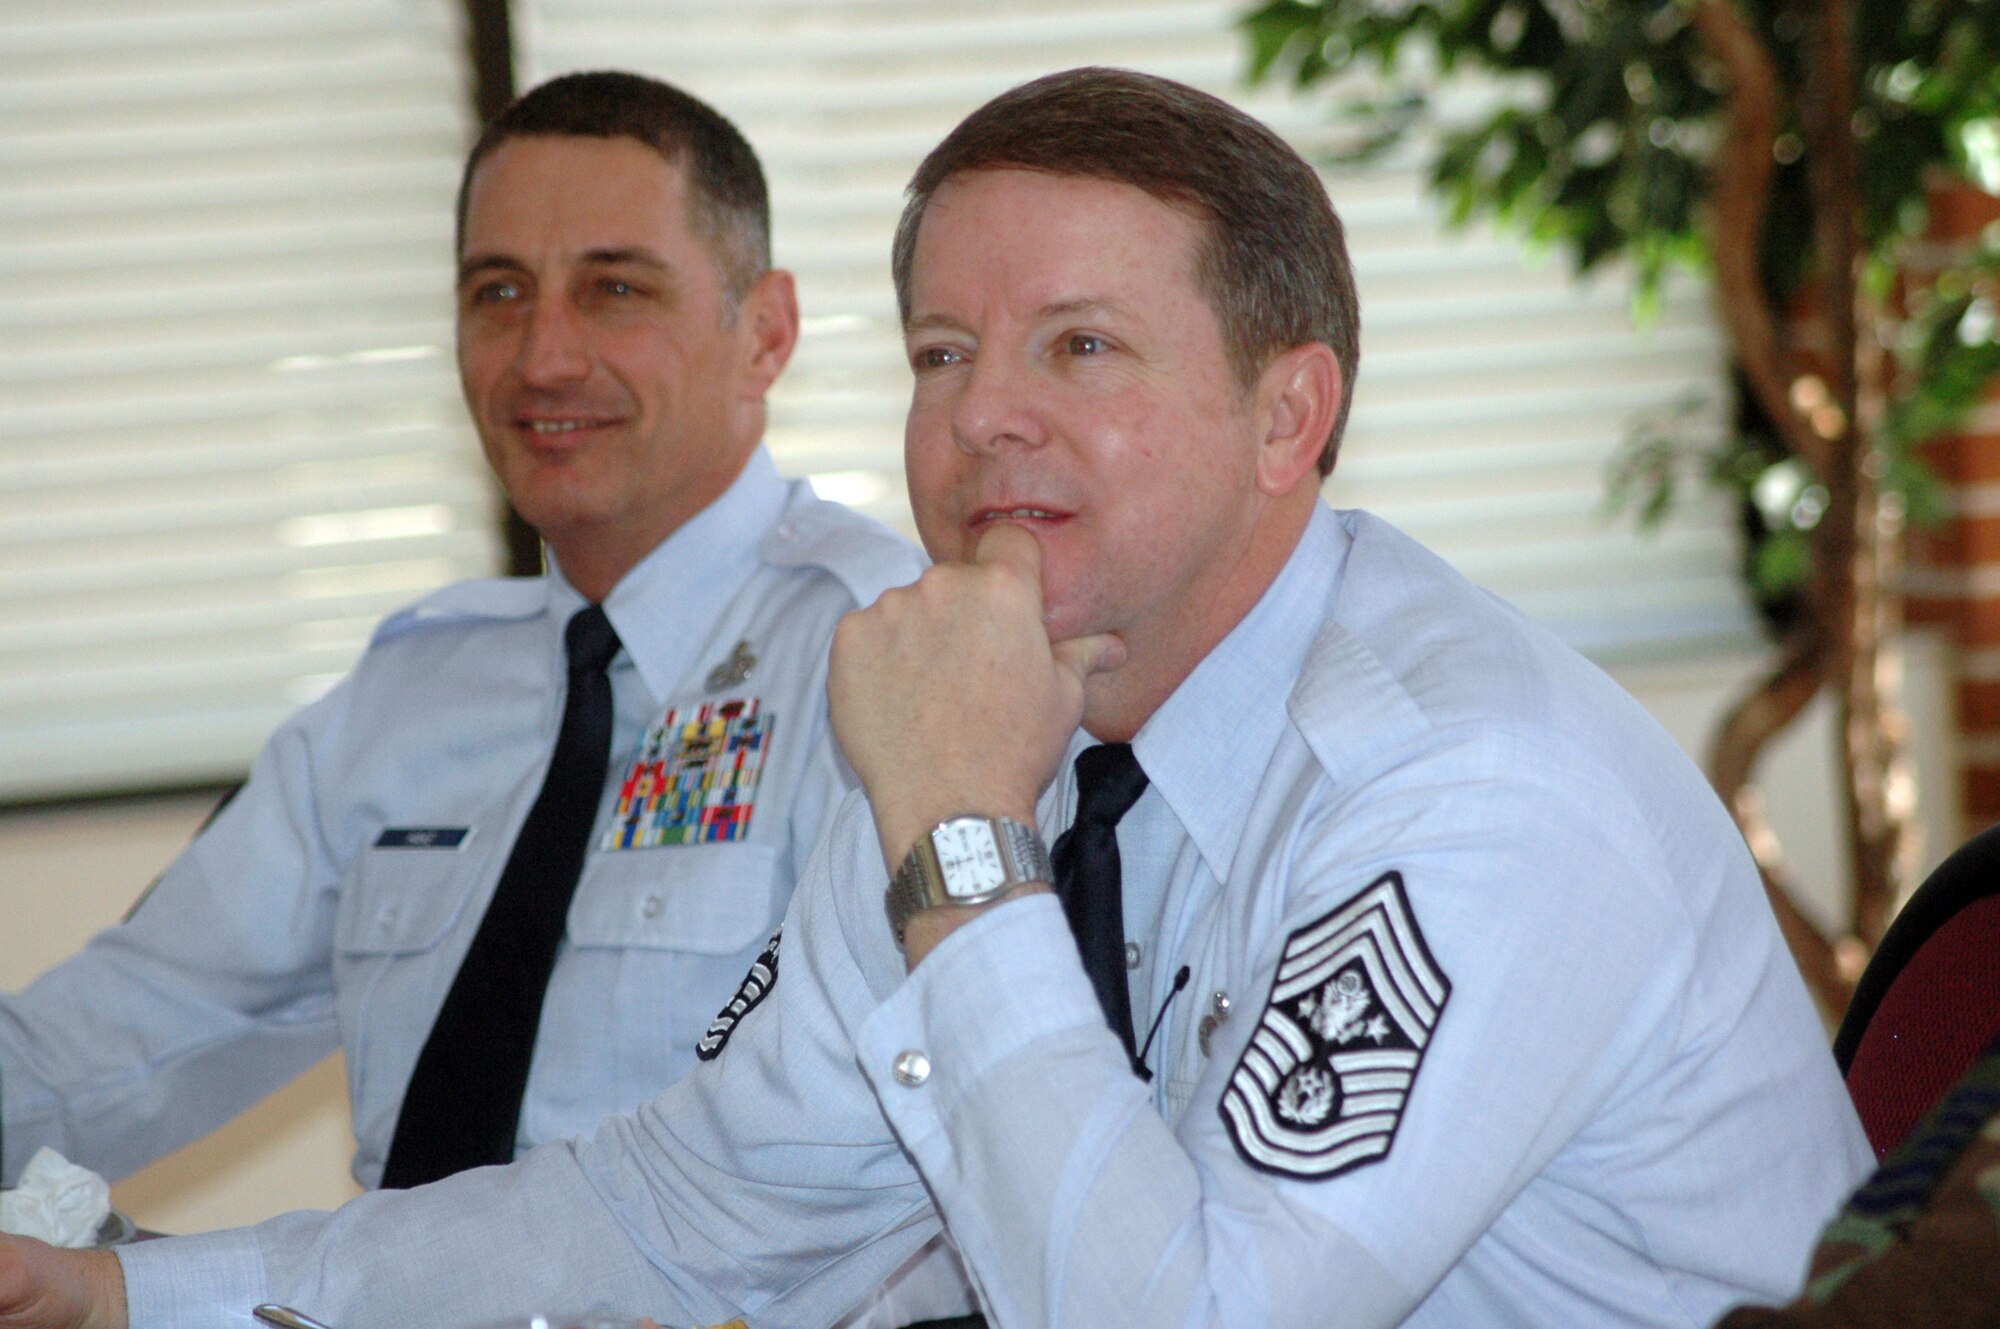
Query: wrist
(927, 928)
(900, 828)
(109, 1306)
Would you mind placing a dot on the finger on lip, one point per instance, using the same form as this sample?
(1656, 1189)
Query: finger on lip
(999, 544)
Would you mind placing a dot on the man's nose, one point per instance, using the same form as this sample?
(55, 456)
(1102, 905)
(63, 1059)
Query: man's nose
(997, 406)
(552, 347)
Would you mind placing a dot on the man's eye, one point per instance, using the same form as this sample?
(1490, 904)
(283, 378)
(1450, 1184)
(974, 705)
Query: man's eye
(1086, 343)
(495, 292)
(935, 357)
(613, 286)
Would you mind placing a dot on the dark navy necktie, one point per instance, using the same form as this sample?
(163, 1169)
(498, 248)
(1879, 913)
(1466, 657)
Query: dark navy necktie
(1089, 881)
(463, 1106)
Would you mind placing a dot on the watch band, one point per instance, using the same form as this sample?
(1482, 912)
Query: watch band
(919, 881)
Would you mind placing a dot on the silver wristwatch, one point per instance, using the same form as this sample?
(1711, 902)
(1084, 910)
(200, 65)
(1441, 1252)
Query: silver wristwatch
(966, 860)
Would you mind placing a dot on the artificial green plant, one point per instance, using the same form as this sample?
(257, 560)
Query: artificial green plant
(1787, 152)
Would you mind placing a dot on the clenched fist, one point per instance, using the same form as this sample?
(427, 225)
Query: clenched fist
(948, 696)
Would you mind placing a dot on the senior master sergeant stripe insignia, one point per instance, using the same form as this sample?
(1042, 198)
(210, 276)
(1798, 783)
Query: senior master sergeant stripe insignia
(1322, 1084)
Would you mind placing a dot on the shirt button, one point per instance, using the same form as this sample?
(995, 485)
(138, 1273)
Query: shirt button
(912, 1069)
(652, 907)
(1133, 955)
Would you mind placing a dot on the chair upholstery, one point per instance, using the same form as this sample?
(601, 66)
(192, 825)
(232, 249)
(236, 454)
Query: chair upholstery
(1929, 1002)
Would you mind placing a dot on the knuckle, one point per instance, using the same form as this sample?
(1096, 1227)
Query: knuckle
(1003, 578)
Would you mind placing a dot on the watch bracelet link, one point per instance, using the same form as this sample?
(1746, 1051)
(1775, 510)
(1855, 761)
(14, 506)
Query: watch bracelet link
(1021, 849)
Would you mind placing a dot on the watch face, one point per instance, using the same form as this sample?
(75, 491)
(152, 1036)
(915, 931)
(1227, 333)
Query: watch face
(969, 856)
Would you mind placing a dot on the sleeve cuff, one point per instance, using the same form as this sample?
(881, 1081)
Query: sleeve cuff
(212, 1279)
(1001, 982)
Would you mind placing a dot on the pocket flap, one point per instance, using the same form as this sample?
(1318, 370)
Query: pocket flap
(401, 901)
(707, 899)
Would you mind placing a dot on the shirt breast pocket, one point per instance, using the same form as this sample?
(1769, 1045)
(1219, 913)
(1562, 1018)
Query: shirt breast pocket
(397, 910)
(659, 940)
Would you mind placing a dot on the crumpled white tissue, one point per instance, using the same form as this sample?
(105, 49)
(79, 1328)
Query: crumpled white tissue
(57, 1201)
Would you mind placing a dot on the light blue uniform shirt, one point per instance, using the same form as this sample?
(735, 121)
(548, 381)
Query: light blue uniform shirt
(1580, 1081)
(306, 917)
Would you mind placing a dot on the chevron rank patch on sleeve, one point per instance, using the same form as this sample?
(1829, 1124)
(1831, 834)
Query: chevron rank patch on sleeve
(1322, 1084)
(755, 987)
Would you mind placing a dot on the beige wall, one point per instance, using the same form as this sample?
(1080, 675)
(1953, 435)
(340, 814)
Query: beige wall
(65, 873)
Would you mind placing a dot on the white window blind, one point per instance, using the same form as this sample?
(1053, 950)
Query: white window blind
(1492, 388)
(230, 437)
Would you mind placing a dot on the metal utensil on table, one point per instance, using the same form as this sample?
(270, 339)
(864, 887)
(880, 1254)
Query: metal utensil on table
(116, 1230)
(284, 1317)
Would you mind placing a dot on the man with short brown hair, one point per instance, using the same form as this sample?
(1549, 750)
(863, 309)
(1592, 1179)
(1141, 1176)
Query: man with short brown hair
(1393, 967)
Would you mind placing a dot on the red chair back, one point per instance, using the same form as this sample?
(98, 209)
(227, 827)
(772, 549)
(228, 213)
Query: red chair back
(1929, 1002)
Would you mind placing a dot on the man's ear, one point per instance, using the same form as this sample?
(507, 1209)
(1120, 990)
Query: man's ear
(1299, 393)
(770, 314)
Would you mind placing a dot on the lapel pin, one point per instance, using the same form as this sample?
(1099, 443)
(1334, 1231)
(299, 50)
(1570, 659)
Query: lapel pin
(1219, 1011)
(733, 671)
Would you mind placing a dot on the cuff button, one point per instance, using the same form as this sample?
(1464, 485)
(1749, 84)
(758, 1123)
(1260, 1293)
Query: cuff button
(912, 1069)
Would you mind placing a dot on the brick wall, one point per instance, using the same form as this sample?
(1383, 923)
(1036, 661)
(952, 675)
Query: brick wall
(1953, 575)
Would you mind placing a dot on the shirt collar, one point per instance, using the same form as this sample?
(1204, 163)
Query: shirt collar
(688, 577)
(1207, 746)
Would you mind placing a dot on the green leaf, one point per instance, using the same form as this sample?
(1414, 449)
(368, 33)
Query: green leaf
(1271, 29)
(1781, 564)
(1609, 115)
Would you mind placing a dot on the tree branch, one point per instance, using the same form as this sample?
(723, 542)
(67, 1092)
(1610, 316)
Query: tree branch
(1742, 178)
(1855, 545)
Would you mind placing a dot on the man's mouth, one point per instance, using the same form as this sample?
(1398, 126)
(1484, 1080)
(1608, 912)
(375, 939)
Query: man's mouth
(567, 426)
(560, 431)
(1021, 513)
